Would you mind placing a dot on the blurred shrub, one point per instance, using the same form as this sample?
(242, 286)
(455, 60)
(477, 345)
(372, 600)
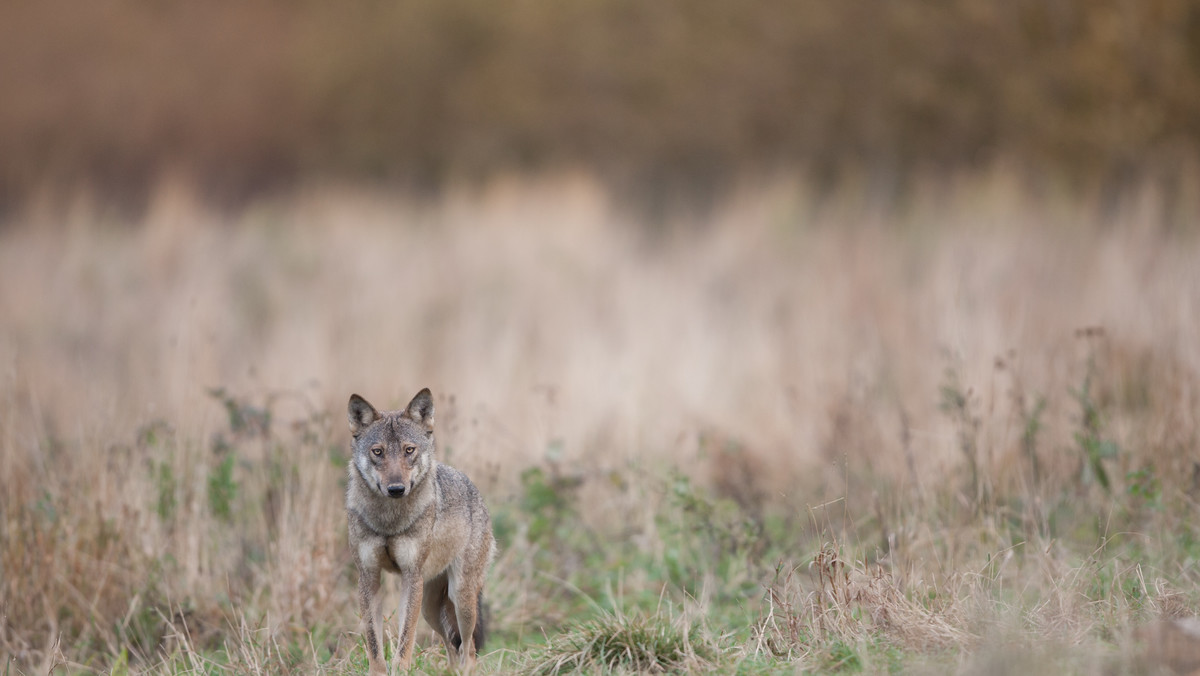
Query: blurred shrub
(242, 97)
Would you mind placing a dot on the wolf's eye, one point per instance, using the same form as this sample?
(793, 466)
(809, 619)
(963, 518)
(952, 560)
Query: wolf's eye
(377, 450)
(409, 450)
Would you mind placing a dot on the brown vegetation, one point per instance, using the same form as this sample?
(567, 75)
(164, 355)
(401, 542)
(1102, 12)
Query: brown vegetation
(241, 97)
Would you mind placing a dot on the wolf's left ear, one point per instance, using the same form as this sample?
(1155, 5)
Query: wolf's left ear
(420, 408)
(360, 413)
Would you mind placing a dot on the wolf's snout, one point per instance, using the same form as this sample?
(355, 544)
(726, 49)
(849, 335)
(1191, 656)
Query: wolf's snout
(395, 490)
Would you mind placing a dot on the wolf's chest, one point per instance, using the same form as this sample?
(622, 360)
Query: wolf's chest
(402, 554)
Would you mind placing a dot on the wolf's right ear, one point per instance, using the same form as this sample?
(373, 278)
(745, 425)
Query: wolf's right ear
(361, 414)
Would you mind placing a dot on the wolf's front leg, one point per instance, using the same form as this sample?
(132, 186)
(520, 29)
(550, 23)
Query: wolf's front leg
(411, 587)
(371, 609)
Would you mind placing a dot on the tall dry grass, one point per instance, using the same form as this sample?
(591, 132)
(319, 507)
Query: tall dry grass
(871, 371)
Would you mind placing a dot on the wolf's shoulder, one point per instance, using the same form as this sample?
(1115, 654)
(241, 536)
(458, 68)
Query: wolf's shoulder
(453, 483)
(449, 476)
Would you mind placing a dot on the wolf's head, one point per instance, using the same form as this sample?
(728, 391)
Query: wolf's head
(393, 450)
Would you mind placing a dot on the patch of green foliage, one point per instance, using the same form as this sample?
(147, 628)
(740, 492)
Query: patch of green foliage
(222, 489)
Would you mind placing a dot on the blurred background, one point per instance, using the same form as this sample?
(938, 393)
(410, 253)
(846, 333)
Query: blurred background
(656, 99)
(707, 292)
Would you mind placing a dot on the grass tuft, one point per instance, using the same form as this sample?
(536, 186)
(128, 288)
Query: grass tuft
(620, 642)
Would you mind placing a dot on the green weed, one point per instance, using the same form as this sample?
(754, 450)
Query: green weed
(1094, 446)
(222, 489)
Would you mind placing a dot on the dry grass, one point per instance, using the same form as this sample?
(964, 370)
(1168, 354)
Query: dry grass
(934, 390)
(626, 643)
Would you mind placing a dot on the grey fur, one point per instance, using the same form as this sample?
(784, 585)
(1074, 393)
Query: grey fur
(410, 515)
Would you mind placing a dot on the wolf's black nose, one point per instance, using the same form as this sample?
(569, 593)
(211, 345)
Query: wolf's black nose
(395, 490)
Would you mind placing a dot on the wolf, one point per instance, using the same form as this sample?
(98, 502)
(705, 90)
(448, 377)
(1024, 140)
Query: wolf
(410, 515)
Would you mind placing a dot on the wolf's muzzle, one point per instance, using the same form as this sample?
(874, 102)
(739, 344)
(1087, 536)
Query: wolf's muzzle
(395, 490)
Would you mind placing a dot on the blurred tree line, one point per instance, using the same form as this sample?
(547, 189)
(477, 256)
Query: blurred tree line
(247, 96)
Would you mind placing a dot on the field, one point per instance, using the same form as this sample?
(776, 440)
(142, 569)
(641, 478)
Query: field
(795, 432)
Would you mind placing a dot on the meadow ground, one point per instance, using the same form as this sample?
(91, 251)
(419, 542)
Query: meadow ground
(797, 433)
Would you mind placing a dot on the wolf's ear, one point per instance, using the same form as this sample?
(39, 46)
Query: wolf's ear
(360, 413)
(420, 408)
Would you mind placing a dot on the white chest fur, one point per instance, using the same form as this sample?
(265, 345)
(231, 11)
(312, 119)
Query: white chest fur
(405, 552)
